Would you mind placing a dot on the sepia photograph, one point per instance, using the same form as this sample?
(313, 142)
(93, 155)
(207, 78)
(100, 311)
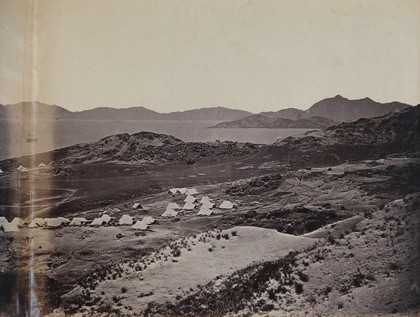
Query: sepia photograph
(209, 158)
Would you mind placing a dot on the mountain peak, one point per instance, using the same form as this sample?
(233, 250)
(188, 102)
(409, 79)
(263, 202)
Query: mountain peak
(339, 97)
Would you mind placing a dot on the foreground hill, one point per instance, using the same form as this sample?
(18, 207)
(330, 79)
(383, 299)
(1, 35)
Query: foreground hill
(140, 148)
(321, 115)
(363, 139)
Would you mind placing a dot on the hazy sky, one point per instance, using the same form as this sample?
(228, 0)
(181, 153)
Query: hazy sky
(183, 54)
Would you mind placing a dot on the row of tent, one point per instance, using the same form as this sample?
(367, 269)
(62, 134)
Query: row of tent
(183, 190)
(105, 219)
(206, 208)
(23, 169)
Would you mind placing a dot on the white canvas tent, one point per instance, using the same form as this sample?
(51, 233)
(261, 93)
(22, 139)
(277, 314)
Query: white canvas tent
(3, 220)
(22, 169)
(208, 205)
(42, 165)
(140, 225)
(227, 205)
(78, 221)
(148, 220)
(173, 191)
(204, 211)
(97, 222)
(137, 206)
(173, 206)
(170, 213)
(106, 218)
(56, 222)
(53, 222)
(182, 190)
(190, 199)
(192, 191)
(37, 222)
(206, 202)
(64, 220)
(9, 227)
(126, 220)
(1, 171)
(204, 199)
(188, 206)
(18, 222)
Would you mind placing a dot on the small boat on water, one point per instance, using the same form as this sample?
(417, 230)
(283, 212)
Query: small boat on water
(32, 137)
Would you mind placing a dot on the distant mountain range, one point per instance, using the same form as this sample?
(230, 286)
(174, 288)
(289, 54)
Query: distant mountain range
(51, 112)
(322, 114)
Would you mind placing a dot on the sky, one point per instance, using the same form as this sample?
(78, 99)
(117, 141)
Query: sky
(171, 55)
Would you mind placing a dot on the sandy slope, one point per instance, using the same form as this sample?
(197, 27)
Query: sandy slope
(165, 275)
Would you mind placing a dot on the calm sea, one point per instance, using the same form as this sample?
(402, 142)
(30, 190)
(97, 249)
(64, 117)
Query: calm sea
(61, 133)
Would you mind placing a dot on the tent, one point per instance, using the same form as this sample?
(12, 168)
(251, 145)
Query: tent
(192, 191)
(126, 220)
(98, 222)
(170, 213)
(173, 191)
(56, 222)
(137, 206)
(204, 199)
(53, 222)
(182, 190)
(64, 220)
(208, 205)
(140, 225)
(78, 221)
(18, 222)
(188, 206)
(190, 199)
(1, 171)
(22, 169)
(3, 220)
(204, 211)
(37, 222)
(9, 227)
(227, 205)
(42, 165)
(173, 206)
(106, 218)
(148, 220)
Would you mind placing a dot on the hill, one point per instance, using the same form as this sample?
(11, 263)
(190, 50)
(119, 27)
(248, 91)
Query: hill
(363, 139)
(140, 148)
(320, 115)
(341, 109)
(142, 113)
(27, 110)
(261, 121)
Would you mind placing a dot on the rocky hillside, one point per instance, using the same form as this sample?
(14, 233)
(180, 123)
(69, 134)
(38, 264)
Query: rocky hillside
(363, 139)
(261, 121)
